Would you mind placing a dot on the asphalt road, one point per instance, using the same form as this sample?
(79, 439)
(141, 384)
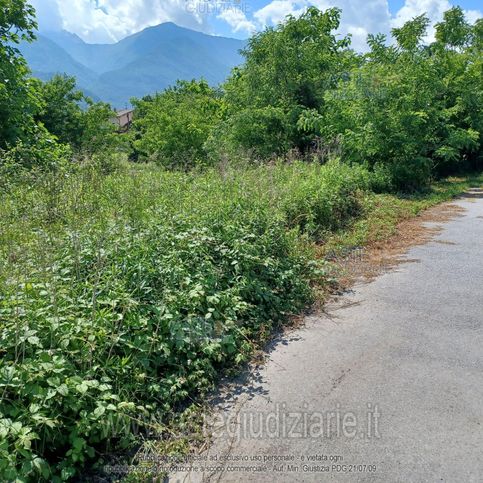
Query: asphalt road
(386, 387)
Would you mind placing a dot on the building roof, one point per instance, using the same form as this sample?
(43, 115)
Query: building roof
(123, 112)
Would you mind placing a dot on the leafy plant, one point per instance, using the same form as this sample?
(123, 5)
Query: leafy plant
(172, 128)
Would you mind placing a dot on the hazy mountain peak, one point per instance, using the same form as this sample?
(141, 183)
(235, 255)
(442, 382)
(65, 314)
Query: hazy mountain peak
(143, 63)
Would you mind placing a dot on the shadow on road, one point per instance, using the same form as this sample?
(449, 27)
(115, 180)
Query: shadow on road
(473, 193)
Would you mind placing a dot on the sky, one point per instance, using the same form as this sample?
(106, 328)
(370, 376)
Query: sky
(107, 21)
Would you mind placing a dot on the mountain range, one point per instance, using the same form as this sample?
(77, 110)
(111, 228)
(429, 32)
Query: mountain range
(141, 64)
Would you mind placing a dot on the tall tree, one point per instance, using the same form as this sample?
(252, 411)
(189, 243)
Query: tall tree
(17, 97)
(61, 111)
(172, 127)
(287, 71)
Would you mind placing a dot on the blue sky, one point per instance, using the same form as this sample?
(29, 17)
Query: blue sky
(110, 20)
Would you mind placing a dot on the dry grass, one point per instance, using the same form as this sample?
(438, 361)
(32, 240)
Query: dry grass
(379, 256)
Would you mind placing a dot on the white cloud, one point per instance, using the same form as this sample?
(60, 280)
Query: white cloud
(412, 8)
(473, 15)
(111, 20)
(434, 9)
(48, 14)
(361, 17)
(276, 11)
(236, 19)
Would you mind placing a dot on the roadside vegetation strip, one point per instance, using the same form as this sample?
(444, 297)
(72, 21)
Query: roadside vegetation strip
(374, 242)
(121, 296)
(383, 212)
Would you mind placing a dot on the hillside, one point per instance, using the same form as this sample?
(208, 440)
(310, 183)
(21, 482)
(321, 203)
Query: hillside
(46, 58)
(143, 63)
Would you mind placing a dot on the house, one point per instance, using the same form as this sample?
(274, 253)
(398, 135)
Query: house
(123, 119)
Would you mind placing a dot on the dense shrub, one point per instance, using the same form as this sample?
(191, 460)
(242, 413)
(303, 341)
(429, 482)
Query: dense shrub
(326, 201)
(41, 152)
(172, 127)
(261, 132)
(74, 118)
(61, 112)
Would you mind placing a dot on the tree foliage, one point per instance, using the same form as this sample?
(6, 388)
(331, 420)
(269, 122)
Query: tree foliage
(175, 124)
(287, 70)
(17, 97)
(61, 112)
(413, 108)
(408, 109)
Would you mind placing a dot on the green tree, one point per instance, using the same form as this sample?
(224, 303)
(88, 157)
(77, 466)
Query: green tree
(411, 109)
(173, 127)
(453, 31)
(386, 110)
(74, 118)
(61, 111)
(287, 71)
(98, 131)
(457, 55)
(410, 35)
(18, 101)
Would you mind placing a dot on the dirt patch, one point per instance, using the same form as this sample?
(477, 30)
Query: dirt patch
(380, 256)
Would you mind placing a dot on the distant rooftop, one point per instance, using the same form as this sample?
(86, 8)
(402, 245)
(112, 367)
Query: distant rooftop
(122, 112)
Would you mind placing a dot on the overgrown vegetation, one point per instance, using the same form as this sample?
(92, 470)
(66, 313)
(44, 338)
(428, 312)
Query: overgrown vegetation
(132, 290)
(408, 111)
(126, 288)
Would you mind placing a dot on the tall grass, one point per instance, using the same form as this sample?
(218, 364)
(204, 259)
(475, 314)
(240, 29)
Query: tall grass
(123, 295)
